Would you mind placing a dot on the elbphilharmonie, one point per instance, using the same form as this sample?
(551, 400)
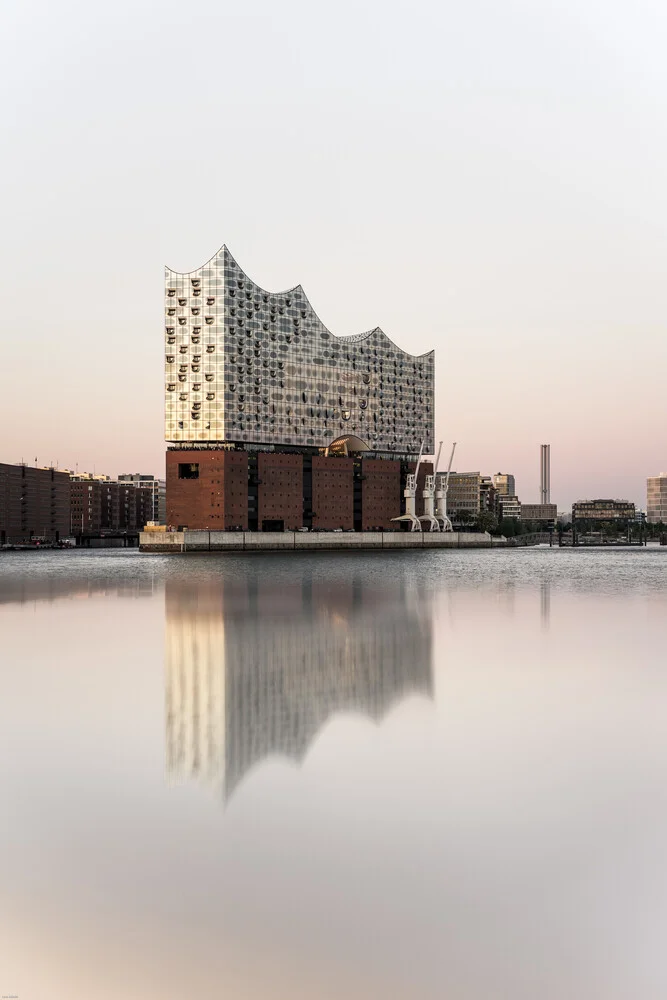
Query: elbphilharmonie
(271, 420)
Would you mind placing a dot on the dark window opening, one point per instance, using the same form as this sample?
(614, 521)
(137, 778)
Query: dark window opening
(188, 470)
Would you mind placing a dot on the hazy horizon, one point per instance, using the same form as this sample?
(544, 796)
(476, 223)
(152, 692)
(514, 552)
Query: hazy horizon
(486, 182)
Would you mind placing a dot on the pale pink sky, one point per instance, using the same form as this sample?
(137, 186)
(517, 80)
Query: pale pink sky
(484, 179)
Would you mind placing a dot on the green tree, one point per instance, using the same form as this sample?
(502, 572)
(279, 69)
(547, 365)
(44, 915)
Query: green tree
(509, 527)
(487, 521)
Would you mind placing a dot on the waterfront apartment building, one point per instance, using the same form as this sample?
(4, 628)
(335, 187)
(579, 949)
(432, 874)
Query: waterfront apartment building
(470, 493)
(272, 421)
(85, 502)
(157, 505)
(603, 510)
(464, 494)
(504, 484)
(656, 499)
(508, 506)
(34, 504)
(99, 503)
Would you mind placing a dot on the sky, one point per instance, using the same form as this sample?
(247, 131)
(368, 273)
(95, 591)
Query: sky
(484, 179)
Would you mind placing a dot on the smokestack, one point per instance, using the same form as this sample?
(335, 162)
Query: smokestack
(545, 473)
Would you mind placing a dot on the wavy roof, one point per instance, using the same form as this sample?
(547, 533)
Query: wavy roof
(346, 338)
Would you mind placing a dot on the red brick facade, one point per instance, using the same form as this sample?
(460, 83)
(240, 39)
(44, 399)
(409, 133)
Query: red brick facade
(280, 491)
(34, 503)
(209, 489)
(380, 493)
(212, 496)
(333, 492)
(85, 505)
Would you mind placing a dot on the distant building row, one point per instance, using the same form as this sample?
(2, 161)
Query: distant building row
(472, 494)
(98, 503)
(52, 505)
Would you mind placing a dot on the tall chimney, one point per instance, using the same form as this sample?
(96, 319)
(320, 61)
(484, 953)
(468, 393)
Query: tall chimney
(545, 473)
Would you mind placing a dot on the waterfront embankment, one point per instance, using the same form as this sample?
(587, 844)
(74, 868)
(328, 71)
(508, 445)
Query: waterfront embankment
(309, 541)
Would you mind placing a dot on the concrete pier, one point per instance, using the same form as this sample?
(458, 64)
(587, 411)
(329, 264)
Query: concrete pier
(309, 541)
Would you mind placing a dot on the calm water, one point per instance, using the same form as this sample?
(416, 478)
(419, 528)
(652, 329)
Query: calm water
(371, 777)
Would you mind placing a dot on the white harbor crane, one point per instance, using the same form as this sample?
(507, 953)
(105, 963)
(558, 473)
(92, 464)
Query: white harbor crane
(441, 490)
(410, 492)
(428, 518)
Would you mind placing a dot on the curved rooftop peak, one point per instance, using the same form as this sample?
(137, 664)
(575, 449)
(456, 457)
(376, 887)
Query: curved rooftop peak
(225, 259)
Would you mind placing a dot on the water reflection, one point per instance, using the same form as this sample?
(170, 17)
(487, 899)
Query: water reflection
(545, 603)
(75, 582)
(255, 668)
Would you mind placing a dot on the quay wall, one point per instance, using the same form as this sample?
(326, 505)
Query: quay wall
(306, 541)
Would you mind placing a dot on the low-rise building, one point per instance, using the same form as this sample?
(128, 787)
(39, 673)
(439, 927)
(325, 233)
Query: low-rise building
(544, 512)
(603, 510)
(508, 506)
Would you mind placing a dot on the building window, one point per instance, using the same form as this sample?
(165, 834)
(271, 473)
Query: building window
(188, 470)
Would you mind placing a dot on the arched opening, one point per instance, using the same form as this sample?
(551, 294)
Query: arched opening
(349, 444)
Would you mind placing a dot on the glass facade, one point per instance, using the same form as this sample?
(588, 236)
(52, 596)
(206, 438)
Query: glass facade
(253, 367)
(656, 499)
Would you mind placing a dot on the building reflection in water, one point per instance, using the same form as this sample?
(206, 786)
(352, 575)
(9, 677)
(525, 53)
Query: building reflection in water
(255, 667)
(545, 603)
(78, 584)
